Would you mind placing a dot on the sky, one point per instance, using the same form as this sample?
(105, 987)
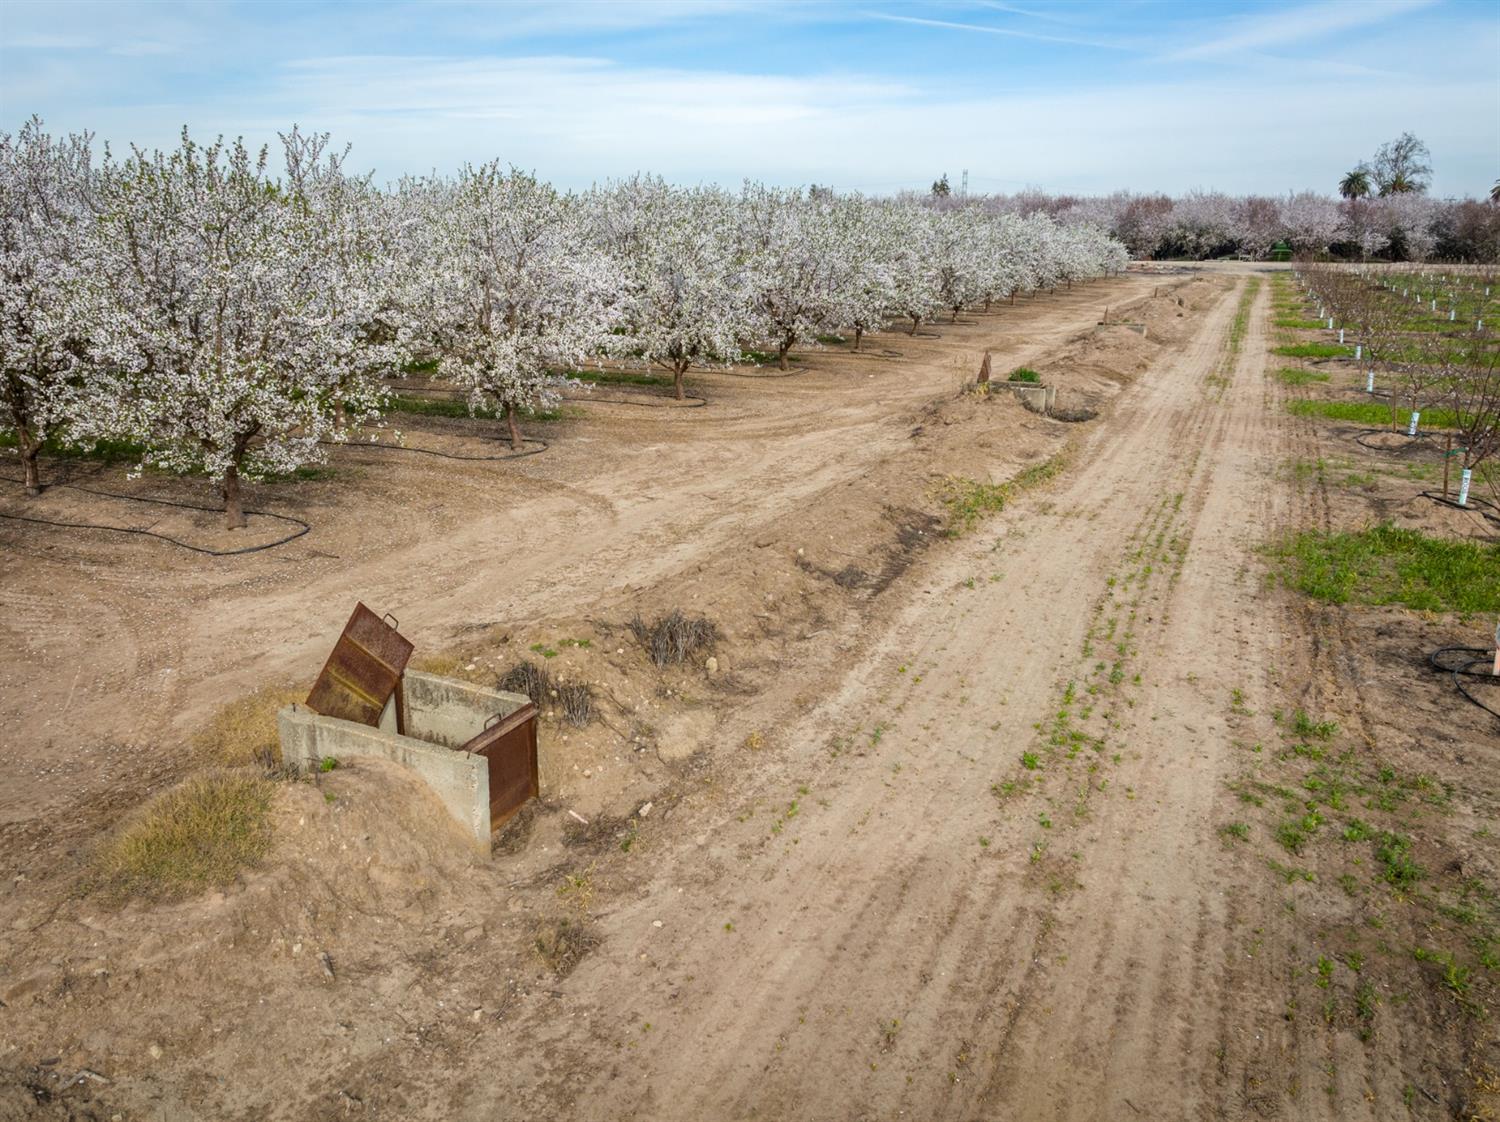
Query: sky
(1078, 97)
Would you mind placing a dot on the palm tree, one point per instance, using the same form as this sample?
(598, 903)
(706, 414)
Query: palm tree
(1355, 185)
(1400, 184)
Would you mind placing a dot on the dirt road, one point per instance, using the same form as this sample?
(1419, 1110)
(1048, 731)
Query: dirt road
(913, 922)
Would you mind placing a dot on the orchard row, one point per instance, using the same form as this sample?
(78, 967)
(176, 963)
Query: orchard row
(232, 321)
(1406, 334)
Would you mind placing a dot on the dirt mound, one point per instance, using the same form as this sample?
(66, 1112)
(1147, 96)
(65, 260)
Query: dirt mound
(369, 883)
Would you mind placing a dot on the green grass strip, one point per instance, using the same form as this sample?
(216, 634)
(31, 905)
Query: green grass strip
(1389, 565)
(1314, 350)
(1294, 376)
(1371, 413)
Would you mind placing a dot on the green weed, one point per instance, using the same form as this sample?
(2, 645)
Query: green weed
(1386, 564)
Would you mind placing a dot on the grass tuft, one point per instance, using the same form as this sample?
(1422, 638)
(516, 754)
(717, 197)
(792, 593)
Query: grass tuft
(968, 500)
(243, 733)
(201, 833)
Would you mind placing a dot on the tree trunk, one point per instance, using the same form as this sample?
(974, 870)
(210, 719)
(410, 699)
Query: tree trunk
(786, 345)
(340, 417)
(679, 375)
(916, 322)
(234, 509)
(33, 477)
(1012, 299)
(516, 443)
(858, 335)
(30, 446)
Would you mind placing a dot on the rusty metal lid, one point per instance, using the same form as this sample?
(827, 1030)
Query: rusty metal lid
(363, 670)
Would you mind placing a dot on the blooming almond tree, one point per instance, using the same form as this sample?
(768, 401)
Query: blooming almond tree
(958, 256)
(1311, 222)
(368, 296)
(865, 282)
(518, 291)
(914, 288)
(791, 242)
(210, 350)
(43, 291)
(686, 297)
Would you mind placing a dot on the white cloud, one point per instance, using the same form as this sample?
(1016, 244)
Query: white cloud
(988, 29)
(1297, 26)
(1266, 124)
(580, 119)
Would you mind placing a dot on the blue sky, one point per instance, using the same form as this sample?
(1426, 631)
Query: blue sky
(1082, 97)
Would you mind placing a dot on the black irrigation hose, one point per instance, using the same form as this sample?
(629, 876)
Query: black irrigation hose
(792, 373)
(374, 447)
(1360, 434)
(293, 536)
(692, 402)
(1464, 668)
(1475, 505)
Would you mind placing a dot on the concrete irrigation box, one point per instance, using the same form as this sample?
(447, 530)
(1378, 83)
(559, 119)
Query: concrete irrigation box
(442, 714)
(1033, 395)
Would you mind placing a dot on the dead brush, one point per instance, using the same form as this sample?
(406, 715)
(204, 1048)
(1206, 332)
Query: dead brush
(561, 944)
(576, 701)
(674, 638)
(536, 682)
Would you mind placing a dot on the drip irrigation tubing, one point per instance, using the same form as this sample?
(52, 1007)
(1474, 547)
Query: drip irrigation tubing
(689, 402)
(304, 527)
(1360, 434)
(692, 402)
(375, 447)
(792, 373)
(1464, 668)
(1482, 507)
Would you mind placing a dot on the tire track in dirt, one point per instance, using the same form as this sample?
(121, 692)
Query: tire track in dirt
(1165, 984)
(793, 1021)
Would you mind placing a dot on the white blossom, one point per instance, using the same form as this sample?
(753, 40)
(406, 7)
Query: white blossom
(210, 350)
(517, 289)
(44, 290)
